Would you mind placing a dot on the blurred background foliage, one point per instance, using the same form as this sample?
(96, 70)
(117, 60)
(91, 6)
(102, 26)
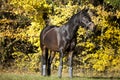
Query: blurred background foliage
(21, 22)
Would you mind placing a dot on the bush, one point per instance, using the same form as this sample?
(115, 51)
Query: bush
(100, 51)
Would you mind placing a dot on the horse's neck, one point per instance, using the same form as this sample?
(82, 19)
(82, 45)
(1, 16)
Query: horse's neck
(71, 27)
(71, 30)
(73, 24)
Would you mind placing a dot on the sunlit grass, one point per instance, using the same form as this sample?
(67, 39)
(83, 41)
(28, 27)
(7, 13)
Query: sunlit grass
(12, 76)
(36, 76)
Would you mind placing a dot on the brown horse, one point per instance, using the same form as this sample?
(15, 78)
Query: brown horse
(62, 39)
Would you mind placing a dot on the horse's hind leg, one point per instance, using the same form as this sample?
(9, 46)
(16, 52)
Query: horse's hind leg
(52, 55)
(44, 59)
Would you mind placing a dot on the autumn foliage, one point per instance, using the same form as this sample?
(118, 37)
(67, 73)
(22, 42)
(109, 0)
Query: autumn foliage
(21, 22)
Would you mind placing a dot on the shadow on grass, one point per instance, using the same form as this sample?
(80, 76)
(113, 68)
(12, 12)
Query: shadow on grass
(101, 78)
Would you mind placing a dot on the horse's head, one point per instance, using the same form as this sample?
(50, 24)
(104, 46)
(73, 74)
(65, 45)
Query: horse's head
(85, 20)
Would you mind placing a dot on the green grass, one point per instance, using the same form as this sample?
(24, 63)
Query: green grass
(16, 76)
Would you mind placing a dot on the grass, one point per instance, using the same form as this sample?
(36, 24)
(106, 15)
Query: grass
(36, 76)
(13, 76)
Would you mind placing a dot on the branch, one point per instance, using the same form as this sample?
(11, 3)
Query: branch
(11, 43)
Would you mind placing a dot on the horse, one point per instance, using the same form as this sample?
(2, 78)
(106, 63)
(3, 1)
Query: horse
(62, 39)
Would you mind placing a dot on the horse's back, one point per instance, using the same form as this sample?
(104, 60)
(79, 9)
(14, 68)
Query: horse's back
(44, 31)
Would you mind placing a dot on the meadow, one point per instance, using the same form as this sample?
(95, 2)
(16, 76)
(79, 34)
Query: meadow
(21, 21)
(37, 76)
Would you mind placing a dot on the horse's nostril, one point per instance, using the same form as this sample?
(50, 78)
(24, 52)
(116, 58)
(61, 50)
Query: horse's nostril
(87, 28)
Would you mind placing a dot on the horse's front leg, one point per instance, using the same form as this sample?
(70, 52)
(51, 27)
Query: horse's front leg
(44, 58)
(61, 64)
(70, 62)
